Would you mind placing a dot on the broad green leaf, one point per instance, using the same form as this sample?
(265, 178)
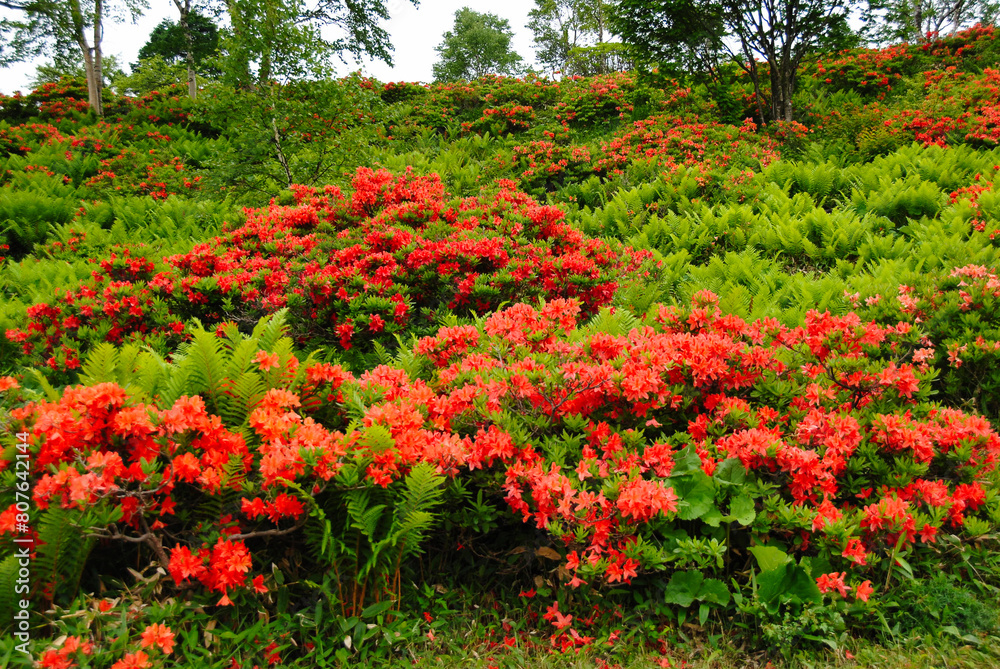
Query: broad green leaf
(713, 517)
(773, 583)
(769, 558)
(730, 472)
(802, 585)
(697, 491)
(683, 588)
(686, 461)
(742, 510)
(714, 591)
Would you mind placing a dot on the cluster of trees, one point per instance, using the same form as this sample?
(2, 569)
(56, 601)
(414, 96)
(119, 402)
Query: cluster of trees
(266, 40)
(568, 34)
(705, 39)
(270, 41)
(702, 36)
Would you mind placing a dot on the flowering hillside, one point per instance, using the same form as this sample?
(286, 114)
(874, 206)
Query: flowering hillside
(505, 368)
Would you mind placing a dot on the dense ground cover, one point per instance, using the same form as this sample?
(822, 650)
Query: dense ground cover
(491, 370)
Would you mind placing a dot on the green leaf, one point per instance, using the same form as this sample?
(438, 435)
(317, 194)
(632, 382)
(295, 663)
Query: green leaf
(714, 591)
(769, 558)
(686, 461)
(905, 566)
(697, 491)
(730, 472)
(802, 585)
(772, 583)
(742, 510)
(683, 588)
(713, 517)
(376, 609)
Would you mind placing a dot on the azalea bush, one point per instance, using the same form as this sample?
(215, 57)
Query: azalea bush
(593, 366)
(957, 313)
(394, 257)
(686, 442)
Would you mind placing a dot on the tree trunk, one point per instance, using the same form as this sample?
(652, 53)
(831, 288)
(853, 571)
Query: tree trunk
(98, 70)
(242, 66)
(600, 22)
(281, 154)
(192, 78)
(88, 67)
(782, 89)
(91, 54)
(751, 69)
(787, 90)
(957, 14)
(777, 103)
(264, 74)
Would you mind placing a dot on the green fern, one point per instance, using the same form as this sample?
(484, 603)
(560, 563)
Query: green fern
(241, 399)
(415, 366)
(36, 377)
(8, 594)
(203, 358)
(62, 552)
(364, 515)
(615, 323)
(100, 365)
(270, 329)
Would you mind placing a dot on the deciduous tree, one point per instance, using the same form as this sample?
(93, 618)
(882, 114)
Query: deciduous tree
(46, 24)
(293, 39)
(559, 26)
(779, 32)
(918, 20)
(478, 45)
(191, 40)
(284, 120)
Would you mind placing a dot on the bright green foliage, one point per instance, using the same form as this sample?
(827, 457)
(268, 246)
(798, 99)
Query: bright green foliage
(478, 44)
(562, 27)
(844, 490)
(304, 132)
(169, 43)
(26, 215)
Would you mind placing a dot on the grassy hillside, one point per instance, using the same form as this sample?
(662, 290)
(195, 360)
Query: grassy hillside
(596, 371)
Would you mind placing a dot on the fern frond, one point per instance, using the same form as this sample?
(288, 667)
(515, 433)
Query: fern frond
(268, 331)
(242, 398)
(51, 393)
(364, 518)
(413, 517)
(240, 357)
(99, 367)
(8, 582)
(61, 553)
(204, 361)
(175, 386)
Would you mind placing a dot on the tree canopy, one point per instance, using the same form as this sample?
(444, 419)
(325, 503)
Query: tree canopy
(478, 45)
(559, 26)
(889, 21)
(169, 42)
(51, 26)
(702, 33)
(285, 39)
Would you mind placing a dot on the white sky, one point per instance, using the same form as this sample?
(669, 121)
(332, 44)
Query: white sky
(414, 31)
